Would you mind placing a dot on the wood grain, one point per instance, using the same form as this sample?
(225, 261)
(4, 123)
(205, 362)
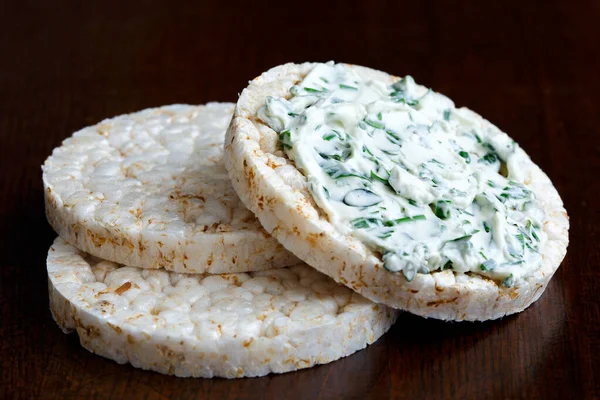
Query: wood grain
(532, 69)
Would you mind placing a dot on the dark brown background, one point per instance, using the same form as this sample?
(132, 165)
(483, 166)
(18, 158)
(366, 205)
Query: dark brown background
(534, 70)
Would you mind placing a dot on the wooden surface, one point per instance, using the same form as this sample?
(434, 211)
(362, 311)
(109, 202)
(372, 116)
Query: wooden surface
(534, 70)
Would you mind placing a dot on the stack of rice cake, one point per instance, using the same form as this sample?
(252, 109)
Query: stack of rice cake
(159, 264)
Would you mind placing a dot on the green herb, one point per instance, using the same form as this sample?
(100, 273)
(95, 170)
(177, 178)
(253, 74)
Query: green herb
(338, 157)
(342, 86)
(491, 184)
(447, 114)
(363, 223)
(311, 90)
(483, 255)
(403, 220)
(412, 202)
(441, 209)
(329, 136)
(486, 227)
(531, 230)
(285, 138)
(336, 172)
(398, 97)
(323, 79)
(375, 124)
(448, 265)
(478, 138)
(516, 192)
(458, 239)
(466, 156)
(379, 116)
(531, 248)
(488, 265)
(509, 281)
(293, 114)
(520, 238)
(465, 211)
(489, 158)
(385, 235)
(378, 178)
(393, 135)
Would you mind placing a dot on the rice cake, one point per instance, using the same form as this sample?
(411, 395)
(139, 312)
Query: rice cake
(194, 325)
(149, 189)
(449, 285)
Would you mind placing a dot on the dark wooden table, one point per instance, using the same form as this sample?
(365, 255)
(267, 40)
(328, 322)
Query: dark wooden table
(534, 70)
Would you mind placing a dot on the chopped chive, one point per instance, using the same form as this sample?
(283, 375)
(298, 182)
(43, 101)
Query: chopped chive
(393, 135)
(312, 90)
(378, 178)
(488, 265)
(347, 87)
(486, 227)
(403, 220)
(412, 202)
(379, 116)
(458, 239)
(489, 158)
(531, 248)
(483, 255)
(293, 114)
(466, 212)
(509, 281)
(329, 136)
(441, 209)
(362, 223)
(350, 175)
(375, 124)
(285, 138)
(521, 238)
(491, 184)
(535, 236)
(466, 156)
(448, 265)
(323, 79)
(447, 114)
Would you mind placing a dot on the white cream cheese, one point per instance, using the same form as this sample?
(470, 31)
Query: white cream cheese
(427, 185)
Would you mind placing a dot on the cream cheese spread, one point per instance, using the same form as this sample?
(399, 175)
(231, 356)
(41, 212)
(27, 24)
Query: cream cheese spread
(426, 185)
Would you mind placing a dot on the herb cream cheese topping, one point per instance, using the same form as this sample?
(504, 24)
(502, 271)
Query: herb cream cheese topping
(427, 185)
